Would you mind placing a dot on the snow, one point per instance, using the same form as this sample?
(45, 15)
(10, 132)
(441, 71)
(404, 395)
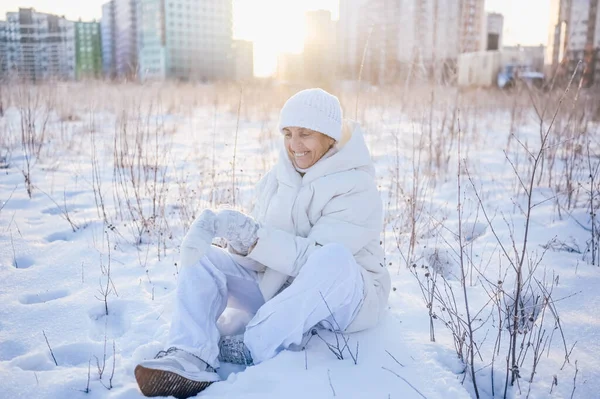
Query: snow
(53, 271)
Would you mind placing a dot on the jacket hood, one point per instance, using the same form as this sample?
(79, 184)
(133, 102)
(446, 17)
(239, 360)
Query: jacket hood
(352, 153)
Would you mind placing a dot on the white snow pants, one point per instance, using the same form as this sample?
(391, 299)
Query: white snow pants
(216, 281)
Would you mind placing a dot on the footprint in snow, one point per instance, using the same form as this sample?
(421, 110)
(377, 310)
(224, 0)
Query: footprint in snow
(42, 297)
(111, 326)
(23, 262)
(472, 231)
(11, 349)
(59, 236)
(74, 354)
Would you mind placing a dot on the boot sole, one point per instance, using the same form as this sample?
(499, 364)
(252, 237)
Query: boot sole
(154, 382)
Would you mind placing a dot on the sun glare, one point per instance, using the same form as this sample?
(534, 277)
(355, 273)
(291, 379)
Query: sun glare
(275, 27)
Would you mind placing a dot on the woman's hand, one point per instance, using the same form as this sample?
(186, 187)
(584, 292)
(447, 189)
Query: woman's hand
(238, 229)
(198, 238)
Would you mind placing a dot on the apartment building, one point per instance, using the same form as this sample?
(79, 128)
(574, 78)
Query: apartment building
(151, 40)
(199, 35)
(37, 46)
(88, 50)
(107, 29)
(574, 36)
(178, 39)
(472, 22)
(3, 49)
(125, 34)
(401, 38)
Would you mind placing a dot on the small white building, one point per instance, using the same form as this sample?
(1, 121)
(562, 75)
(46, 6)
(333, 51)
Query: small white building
(481, 68)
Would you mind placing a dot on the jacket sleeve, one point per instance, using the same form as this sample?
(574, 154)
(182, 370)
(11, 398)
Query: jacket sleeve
(352, 219)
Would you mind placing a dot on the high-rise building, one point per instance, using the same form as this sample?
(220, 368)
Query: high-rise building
(199, 36)
(179, 39)
(88, 50)
(243, 55)
(3, 49)
(574, 36)
(107, 27)
(404, 37)
(38, 46)
(151, 39)
(119, 39)
(471, 23)
(126, 50)
(495, 26)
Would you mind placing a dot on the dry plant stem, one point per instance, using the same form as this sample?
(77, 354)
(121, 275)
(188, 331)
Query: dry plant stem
(428, 294)
(8, 199)
(64, 212)
(213, 170)
(12, 243)
(104, 291)
(337, 330)
(102, 367)
(112, 374)
(51, 352)
(396, 360)
(305, 359)
(360, 71)
(237, 125)
(32, 135)
(96, 178)
(330, 383)
(87, 387)
(405, 380)
(595, 237)
(574, 380)
(462, 268)
(519, 269)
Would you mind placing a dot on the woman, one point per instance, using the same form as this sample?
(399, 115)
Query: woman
(309, 255)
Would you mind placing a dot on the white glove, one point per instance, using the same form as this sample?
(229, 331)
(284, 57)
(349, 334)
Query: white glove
(238, 229)
(198, 238)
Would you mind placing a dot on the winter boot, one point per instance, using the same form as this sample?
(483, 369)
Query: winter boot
(233, 350)
(174, 372)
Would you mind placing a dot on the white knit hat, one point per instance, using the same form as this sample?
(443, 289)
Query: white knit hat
(313, 109)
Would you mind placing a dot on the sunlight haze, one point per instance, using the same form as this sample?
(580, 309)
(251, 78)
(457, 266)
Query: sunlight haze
(277, 26)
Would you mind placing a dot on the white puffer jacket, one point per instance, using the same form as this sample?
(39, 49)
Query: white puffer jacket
(335, 201)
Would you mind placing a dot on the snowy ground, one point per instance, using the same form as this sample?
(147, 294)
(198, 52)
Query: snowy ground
(57, 252)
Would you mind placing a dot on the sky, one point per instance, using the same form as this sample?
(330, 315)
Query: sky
(525, 22)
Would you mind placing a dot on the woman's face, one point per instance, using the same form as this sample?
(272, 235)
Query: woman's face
(304, 146)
